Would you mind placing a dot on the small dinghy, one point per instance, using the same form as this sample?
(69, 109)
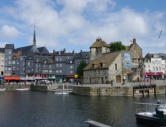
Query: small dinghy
(2, 89)
(22, 89)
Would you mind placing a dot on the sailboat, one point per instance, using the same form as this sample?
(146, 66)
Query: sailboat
(63, 91)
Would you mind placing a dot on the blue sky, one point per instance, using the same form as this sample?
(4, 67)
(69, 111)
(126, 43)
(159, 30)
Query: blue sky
(75, 24)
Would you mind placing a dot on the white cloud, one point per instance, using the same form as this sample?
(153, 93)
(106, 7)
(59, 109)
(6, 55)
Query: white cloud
(78, 22)
(8, 32)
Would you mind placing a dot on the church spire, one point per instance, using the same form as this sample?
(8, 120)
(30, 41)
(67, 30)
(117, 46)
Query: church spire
(34, 37)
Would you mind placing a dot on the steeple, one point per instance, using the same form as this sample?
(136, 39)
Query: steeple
(34, 37)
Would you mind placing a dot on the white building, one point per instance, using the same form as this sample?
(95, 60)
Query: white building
(155, 65)
(2, 58)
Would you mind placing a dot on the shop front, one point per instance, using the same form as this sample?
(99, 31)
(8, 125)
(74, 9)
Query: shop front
(11, 79)
(156, 76)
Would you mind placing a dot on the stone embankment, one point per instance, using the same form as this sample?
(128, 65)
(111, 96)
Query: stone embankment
(121, 90)
(13, 87)
(127, 89)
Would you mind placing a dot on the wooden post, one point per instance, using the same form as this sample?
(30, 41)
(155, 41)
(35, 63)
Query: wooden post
(155, 91)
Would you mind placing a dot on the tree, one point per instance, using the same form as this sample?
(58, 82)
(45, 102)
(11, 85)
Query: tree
(116, 46)
(80, 68)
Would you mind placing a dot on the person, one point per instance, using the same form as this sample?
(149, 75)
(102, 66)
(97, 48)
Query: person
(124, 78)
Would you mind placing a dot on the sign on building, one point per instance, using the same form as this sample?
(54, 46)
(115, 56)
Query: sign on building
(127, 60)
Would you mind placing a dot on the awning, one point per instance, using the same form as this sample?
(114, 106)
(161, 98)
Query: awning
(158, 73)
(69, 76)
(1, 78)
(150, 73)
(12, 78)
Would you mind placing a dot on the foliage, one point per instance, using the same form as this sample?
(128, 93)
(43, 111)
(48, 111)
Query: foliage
(80, 68)
(116, 46)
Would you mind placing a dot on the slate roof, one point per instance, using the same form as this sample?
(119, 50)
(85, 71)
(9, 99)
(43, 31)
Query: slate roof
(99, 43)
(106, 61)
(82, 55)
(43, 50)
(2, 49)
(63, 53)
(9, 46)
(27, 50)
(151, 55)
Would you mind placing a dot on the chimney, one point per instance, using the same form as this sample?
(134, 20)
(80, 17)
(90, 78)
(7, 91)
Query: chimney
(134, 41)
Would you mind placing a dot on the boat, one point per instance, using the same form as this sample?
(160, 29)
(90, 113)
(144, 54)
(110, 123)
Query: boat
(156, 118)
(63, 91)
(22, 89)
(2, 89)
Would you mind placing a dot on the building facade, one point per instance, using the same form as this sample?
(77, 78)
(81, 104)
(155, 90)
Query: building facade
(2, 62)
(9, 48)
(155, 66)
(67, 62)
(108, 67)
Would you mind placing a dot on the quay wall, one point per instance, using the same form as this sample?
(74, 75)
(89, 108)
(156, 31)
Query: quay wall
(107, 90)
(102, 91)
(12, 87)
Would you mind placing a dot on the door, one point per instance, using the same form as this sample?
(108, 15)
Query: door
(118, 79)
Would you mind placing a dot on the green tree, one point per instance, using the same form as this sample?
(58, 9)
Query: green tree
(116, 46)
(80, 68)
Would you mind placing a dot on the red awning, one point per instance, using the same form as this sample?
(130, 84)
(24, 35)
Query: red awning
(69, 76)
(159, 73)
(12, 78)
(150, 73)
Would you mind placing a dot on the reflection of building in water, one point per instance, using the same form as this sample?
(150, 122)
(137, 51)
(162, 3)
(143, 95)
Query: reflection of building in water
(107, 67)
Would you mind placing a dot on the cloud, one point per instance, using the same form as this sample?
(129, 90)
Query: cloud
(8, 32)
(76, 23)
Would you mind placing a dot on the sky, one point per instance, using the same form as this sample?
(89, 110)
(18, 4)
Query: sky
(75, 24)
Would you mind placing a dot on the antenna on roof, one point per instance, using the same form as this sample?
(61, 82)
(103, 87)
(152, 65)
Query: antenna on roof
(160, 34)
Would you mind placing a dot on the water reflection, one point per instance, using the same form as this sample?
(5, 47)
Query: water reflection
(35, 109)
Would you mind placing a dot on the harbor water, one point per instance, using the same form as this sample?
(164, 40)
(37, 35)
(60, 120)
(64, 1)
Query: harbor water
(40, 109)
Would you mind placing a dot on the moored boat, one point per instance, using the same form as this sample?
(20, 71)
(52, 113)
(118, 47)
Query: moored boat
(157, 118)
(22, 89)
(2, 89)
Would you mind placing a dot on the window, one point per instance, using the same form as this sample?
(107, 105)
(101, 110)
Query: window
(116, 67)
(93, 65)
(10, 52)
(101, 65)
(71, 67)
(60, 71)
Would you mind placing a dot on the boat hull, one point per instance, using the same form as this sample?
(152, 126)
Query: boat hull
(150, 120)
(2, 90)
(22, 89)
